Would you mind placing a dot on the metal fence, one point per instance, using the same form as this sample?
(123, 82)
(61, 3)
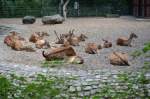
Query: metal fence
(44, 8)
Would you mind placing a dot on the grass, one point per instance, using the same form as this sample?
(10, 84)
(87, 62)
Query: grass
(144, 51)
(41, 87)
(146, 47)
(135, 83)
(136, 53)
(53, 63)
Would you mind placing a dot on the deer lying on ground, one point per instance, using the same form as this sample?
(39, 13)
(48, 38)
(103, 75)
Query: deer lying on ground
(117, 58)
(17, 43)
(12, 36)
(123, 41)
(91, 48)
(38, 39)
(107, 44)
(35, 37)
(59, 53)
(70, 38)
(64, 36)
(75, 40)
(75, 59)
(42, 44)
(66, 53)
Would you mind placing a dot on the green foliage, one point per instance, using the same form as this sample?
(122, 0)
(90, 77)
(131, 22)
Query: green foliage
(41, 87)
(136, 53)
(147, 47)
(5, 87)
(146, 66)
(20, 8)
(144, 51)
(53, 63)
(135, 88)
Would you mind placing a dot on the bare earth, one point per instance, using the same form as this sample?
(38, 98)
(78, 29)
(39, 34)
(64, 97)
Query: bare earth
(94, 28)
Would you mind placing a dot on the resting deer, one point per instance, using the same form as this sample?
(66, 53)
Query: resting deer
(117, 58)
(42, 44)
(123, 41)
(91, 48)
(74, 41)
(107, 44)
(82, 37)
(59, 53)
(38, 39)
(35, 37)
(17, 42)
(75, 59)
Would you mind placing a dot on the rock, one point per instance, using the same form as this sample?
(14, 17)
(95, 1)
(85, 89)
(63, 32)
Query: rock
(28, 20)
(79, 89)
(87, 93)
(55, 19)
(93, 91)
(87, 88)
(72, 89)
(81, 94)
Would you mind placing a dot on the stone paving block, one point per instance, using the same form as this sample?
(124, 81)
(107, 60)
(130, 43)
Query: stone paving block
(78, 88)
(87, 93)
(87, 88)
(80, 94)
(72, 89)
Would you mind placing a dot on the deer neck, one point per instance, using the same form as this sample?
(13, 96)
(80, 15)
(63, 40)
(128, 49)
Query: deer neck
(130, 40)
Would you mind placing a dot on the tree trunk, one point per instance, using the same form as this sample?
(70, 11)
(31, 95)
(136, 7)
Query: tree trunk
(65, 9)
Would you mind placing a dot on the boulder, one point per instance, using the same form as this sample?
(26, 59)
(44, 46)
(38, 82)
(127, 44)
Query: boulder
(55, 19)
(28, 20)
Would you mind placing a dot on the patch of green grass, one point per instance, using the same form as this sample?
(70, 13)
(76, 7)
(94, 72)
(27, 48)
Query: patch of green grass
(131, 92)
(53, 63)
(146, 47)
(136, 53)
(146, 66)
(41, 87)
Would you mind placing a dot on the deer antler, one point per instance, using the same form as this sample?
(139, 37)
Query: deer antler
(72, 31)
(57, 35)
(105, 40)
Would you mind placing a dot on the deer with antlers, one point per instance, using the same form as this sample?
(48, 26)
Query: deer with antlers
(17, 42)
(38, 39)
(70, 38)
(67, 53)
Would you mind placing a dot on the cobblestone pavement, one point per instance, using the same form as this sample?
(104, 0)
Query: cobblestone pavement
(84, 83)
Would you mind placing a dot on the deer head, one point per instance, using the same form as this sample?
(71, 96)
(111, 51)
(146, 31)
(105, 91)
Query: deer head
(133, 35)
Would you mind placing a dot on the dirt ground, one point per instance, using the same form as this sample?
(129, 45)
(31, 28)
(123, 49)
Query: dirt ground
(95, 29)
